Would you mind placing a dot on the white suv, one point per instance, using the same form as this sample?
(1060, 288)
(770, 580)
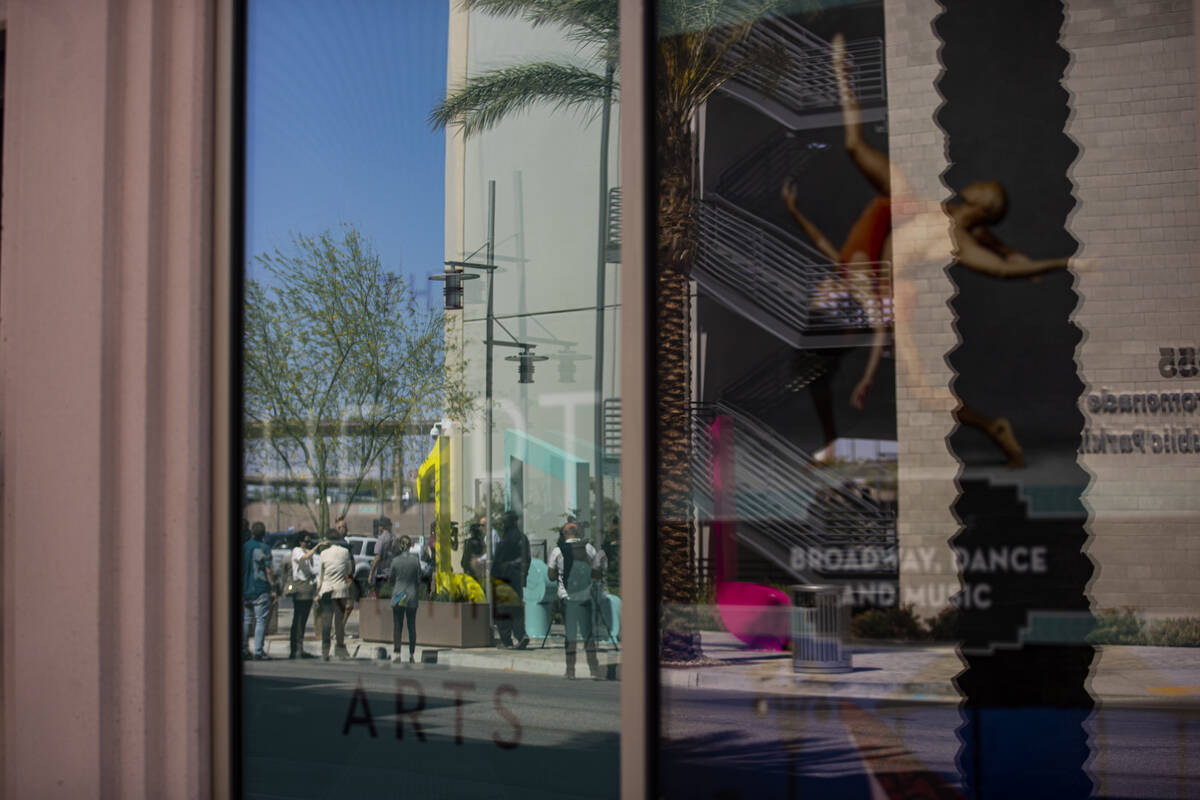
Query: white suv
(363, 550)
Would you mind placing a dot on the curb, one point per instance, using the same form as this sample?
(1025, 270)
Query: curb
(512, 662)
(789, 684)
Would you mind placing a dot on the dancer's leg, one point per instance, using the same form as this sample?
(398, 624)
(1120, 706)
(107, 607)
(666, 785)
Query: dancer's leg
(821, 390)
(998, 429)
(873, 164)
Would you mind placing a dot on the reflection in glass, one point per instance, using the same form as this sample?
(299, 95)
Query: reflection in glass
(429, 475)
(879, 574)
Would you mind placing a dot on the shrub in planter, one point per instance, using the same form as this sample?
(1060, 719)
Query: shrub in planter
(1175, 632)
(944, 627)
(887, 623)
(1117, 627)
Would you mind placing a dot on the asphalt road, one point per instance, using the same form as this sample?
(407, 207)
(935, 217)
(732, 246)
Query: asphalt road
(442, 732)
(727, 745)
(477, 733)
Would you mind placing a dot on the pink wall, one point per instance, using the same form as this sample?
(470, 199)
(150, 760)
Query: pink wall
(105, 304)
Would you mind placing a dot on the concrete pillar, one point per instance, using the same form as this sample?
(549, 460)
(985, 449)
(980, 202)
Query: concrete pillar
(105, 347)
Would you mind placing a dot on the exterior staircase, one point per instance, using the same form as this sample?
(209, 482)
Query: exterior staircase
(786, 503)
(804, 94)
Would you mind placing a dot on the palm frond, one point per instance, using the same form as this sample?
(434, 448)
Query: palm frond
(487, 98)
(696, 43)
(586, 22)
(597, 15)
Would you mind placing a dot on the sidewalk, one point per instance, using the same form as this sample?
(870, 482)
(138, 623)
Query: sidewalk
(913, 672)
(1120, 674)
(539, 658)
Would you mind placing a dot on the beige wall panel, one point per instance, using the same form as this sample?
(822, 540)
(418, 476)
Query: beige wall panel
(106, 300)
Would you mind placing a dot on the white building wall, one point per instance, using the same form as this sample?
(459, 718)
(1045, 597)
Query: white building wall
(545, 164)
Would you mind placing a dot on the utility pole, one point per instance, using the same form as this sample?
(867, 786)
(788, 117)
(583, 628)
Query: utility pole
(491, 263)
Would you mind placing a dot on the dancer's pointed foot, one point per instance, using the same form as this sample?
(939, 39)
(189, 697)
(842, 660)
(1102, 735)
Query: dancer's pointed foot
(1000, 431)
(824, 456)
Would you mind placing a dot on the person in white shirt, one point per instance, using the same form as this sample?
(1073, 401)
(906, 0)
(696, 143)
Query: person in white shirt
(335, 579)
(302, 589)
(575, 564)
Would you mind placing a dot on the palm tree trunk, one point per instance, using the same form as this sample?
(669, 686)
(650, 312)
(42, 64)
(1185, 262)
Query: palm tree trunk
(677, 234)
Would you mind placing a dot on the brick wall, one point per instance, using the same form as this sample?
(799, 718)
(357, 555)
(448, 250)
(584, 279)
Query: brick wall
(1132, 88)
(924, 332)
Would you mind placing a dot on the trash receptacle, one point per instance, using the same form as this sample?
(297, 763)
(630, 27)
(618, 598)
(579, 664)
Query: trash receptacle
(820, 628)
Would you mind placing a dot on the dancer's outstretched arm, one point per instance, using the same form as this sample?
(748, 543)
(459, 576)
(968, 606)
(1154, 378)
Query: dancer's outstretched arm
(873, 164)
(973, 255)
(788, 193)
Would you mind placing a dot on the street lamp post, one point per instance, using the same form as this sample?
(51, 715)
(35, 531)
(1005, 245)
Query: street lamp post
(454, 274)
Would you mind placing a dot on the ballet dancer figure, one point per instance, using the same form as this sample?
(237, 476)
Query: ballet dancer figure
(856, 293)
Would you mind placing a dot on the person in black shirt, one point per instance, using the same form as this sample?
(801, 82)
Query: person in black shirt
(509, 574)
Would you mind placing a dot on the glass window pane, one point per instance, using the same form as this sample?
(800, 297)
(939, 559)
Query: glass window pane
(431, 400)
(924, 465)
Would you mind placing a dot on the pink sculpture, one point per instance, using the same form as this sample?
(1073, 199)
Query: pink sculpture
(756, 614)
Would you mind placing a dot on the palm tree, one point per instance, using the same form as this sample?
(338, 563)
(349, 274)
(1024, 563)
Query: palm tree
(693, 58)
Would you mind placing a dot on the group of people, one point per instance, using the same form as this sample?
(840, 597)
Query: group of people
(322, 573)
(575, 566)
(510, 551)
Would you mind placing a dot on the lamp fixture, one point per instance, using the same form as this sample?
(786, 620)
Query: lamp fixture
(566, 364)
(453, 276)
(525, 360)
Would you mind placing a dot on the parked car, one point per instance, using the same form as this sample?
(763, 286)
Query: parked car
(362, 548)
(281, 545)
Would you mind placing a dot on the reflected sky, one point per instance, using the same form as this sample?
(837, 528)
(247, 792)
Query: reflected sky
(339, 96)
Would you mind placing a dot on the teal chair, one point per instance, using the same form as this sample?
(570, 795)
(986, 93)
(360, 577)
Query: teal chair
(539, 600)
(610, 616)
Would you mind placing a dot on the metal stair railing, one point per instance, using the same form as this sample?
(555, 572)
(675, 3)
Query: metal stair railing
(611, 411)
(778, 281)
(764, 263)
(612, 243)
(785, 496)
(808, 83)
(767, 385)
(758, 175)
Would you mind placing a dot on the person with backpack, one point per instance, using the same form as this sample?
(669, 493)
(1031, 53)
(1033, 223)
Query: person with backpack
(575, 564)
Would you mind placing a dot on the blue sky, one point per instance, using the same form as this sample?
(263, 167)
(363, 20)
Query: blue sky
(338, 98)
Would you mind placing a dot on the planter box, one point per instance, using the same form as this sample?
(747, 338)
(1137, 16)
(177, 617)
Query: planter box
(438, 624)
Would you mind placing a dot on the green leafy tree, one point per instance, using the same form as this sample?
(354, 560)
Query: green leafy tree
(338, 360)
(694, 57)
